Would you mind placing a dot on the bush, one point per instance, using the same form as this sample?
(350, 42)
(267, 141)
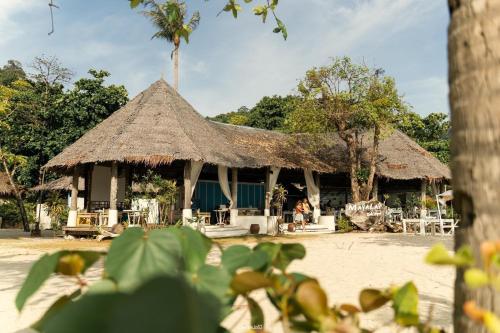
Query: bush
(10, 214)
(344, 224)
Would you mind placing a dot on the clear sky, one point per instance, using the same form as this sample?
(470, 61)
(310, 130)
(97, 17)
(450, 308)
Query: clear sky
(230, 63)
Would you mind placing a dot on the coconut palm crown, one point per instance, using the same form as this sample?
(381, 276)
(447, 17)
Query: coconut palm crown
(170, 18)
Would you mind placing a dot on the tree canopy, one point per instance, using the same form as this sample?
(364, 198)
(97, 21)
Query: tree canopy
(41, 116)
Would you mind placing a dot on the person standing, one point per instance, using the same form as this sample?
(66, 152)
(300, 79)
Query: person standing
(299, 214)
(307, 211)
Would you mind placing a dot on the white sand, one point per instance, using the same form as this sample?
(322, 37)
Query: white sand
(343, 263)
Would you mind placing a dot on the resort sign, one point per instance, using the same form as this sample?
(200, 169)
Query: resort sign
(365, 214)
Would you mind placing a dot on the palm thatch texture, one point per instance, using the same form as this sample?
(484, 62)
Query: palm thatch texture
(60, 184)
(5, 187)
(158, 126)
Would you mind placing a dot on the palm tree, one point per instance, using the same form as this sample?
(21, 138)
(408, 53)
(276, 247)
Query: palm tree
(474, 64)
(169, 18)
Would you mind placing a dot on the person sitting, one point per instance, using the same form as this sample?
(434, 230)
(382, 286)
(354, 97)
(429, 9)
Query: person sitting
(299, 214)
(307, 211)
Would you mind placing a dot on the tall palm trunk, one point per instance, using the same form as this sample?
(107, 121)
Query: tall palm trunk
(474, 71)
(176, 64)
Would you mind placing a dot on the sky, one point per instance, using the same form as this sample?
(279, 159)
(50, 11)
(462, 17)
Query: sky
(230, 63)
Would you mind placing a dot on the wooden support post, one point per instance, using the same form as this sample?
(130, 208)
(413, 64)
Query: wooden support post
(187, 213)
(233, 214)
(113, 194)
(88, 187)
(73, 212)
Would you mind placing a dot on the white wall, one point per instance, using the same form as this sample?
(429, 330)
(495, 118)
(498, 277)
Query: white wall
(101, 181)
(246, 221)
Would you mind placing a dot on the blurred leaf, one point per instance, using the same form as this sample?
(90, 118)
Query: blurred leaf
(43, 268)
(163, 302)
(372, 299)
(405, 305)
(256, 313)
(439, 255)
(312, 299)
(55, 308)
(476, 278)
(281, 28)
(195, 247)
(235, 257)
(248, 281)
(135, 256)
(102, 287)
(135, 3)
(211, 279)
(281, 255)
(495, 260)
(349, 308)
(492, 322)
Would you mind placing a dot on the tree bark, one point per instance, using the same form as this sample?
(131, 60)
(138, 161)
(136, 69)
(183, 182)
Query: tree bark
(176, 68)
(18, 196)
(353, 171)
(474, 69)
(373, 164)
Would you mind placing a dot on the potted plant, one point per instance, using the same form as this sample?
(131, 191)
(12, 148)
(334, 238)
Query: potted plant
(278, 200)
(56, 207)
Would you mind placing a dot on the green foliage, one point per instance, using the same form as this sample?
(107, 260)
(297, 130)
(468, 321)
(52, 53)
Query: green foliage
(46, 118)
(486, 277)
(9, 213)
(344, 224)
(439, 255)
(11, 72)
(55, 207)
(164, 277)
(431, 132)
(269, 113)
(170, 18)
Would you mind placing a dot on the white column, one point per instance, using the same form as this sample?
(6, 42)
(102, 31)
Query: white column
(187, 212)
(73, 209)
(234, 195)
(375, 188)
(113, 194)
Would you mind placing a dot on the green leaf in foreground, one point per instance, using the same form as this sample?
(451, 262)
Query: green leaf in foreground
(239, 256)
(194, 245)
(161, 304)
(256, 313)
(372, 299)
(476, 278)
(439, 255)
(136, 256)
(43, 268)
(405, 305)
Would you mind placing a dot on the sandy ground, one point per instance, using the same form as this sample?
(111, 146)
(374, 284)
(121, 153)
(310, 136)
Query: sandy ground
(343, 263)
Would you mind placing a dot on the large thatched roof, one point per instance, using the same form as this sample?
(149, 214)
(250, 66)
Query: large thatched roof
(159, 126)
(5, 187)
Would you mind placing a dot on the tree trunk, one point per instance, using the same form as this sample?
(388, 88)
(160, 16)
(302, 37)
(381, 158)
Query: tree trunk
(176, 68)
(19, 197)
(373, 164)
(474, 69)
(351, 147)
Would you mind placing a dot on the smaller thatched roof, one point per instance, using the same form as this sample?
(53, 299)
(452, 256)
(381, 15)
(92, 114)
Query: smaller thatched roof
(5, 187)
(60, 184)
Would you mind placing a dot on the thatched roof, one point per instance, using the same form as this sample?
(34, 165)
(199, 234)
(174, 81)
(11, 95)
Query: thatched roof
(60, 184)
(5, 187)
(159, 126)
(399, 156)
